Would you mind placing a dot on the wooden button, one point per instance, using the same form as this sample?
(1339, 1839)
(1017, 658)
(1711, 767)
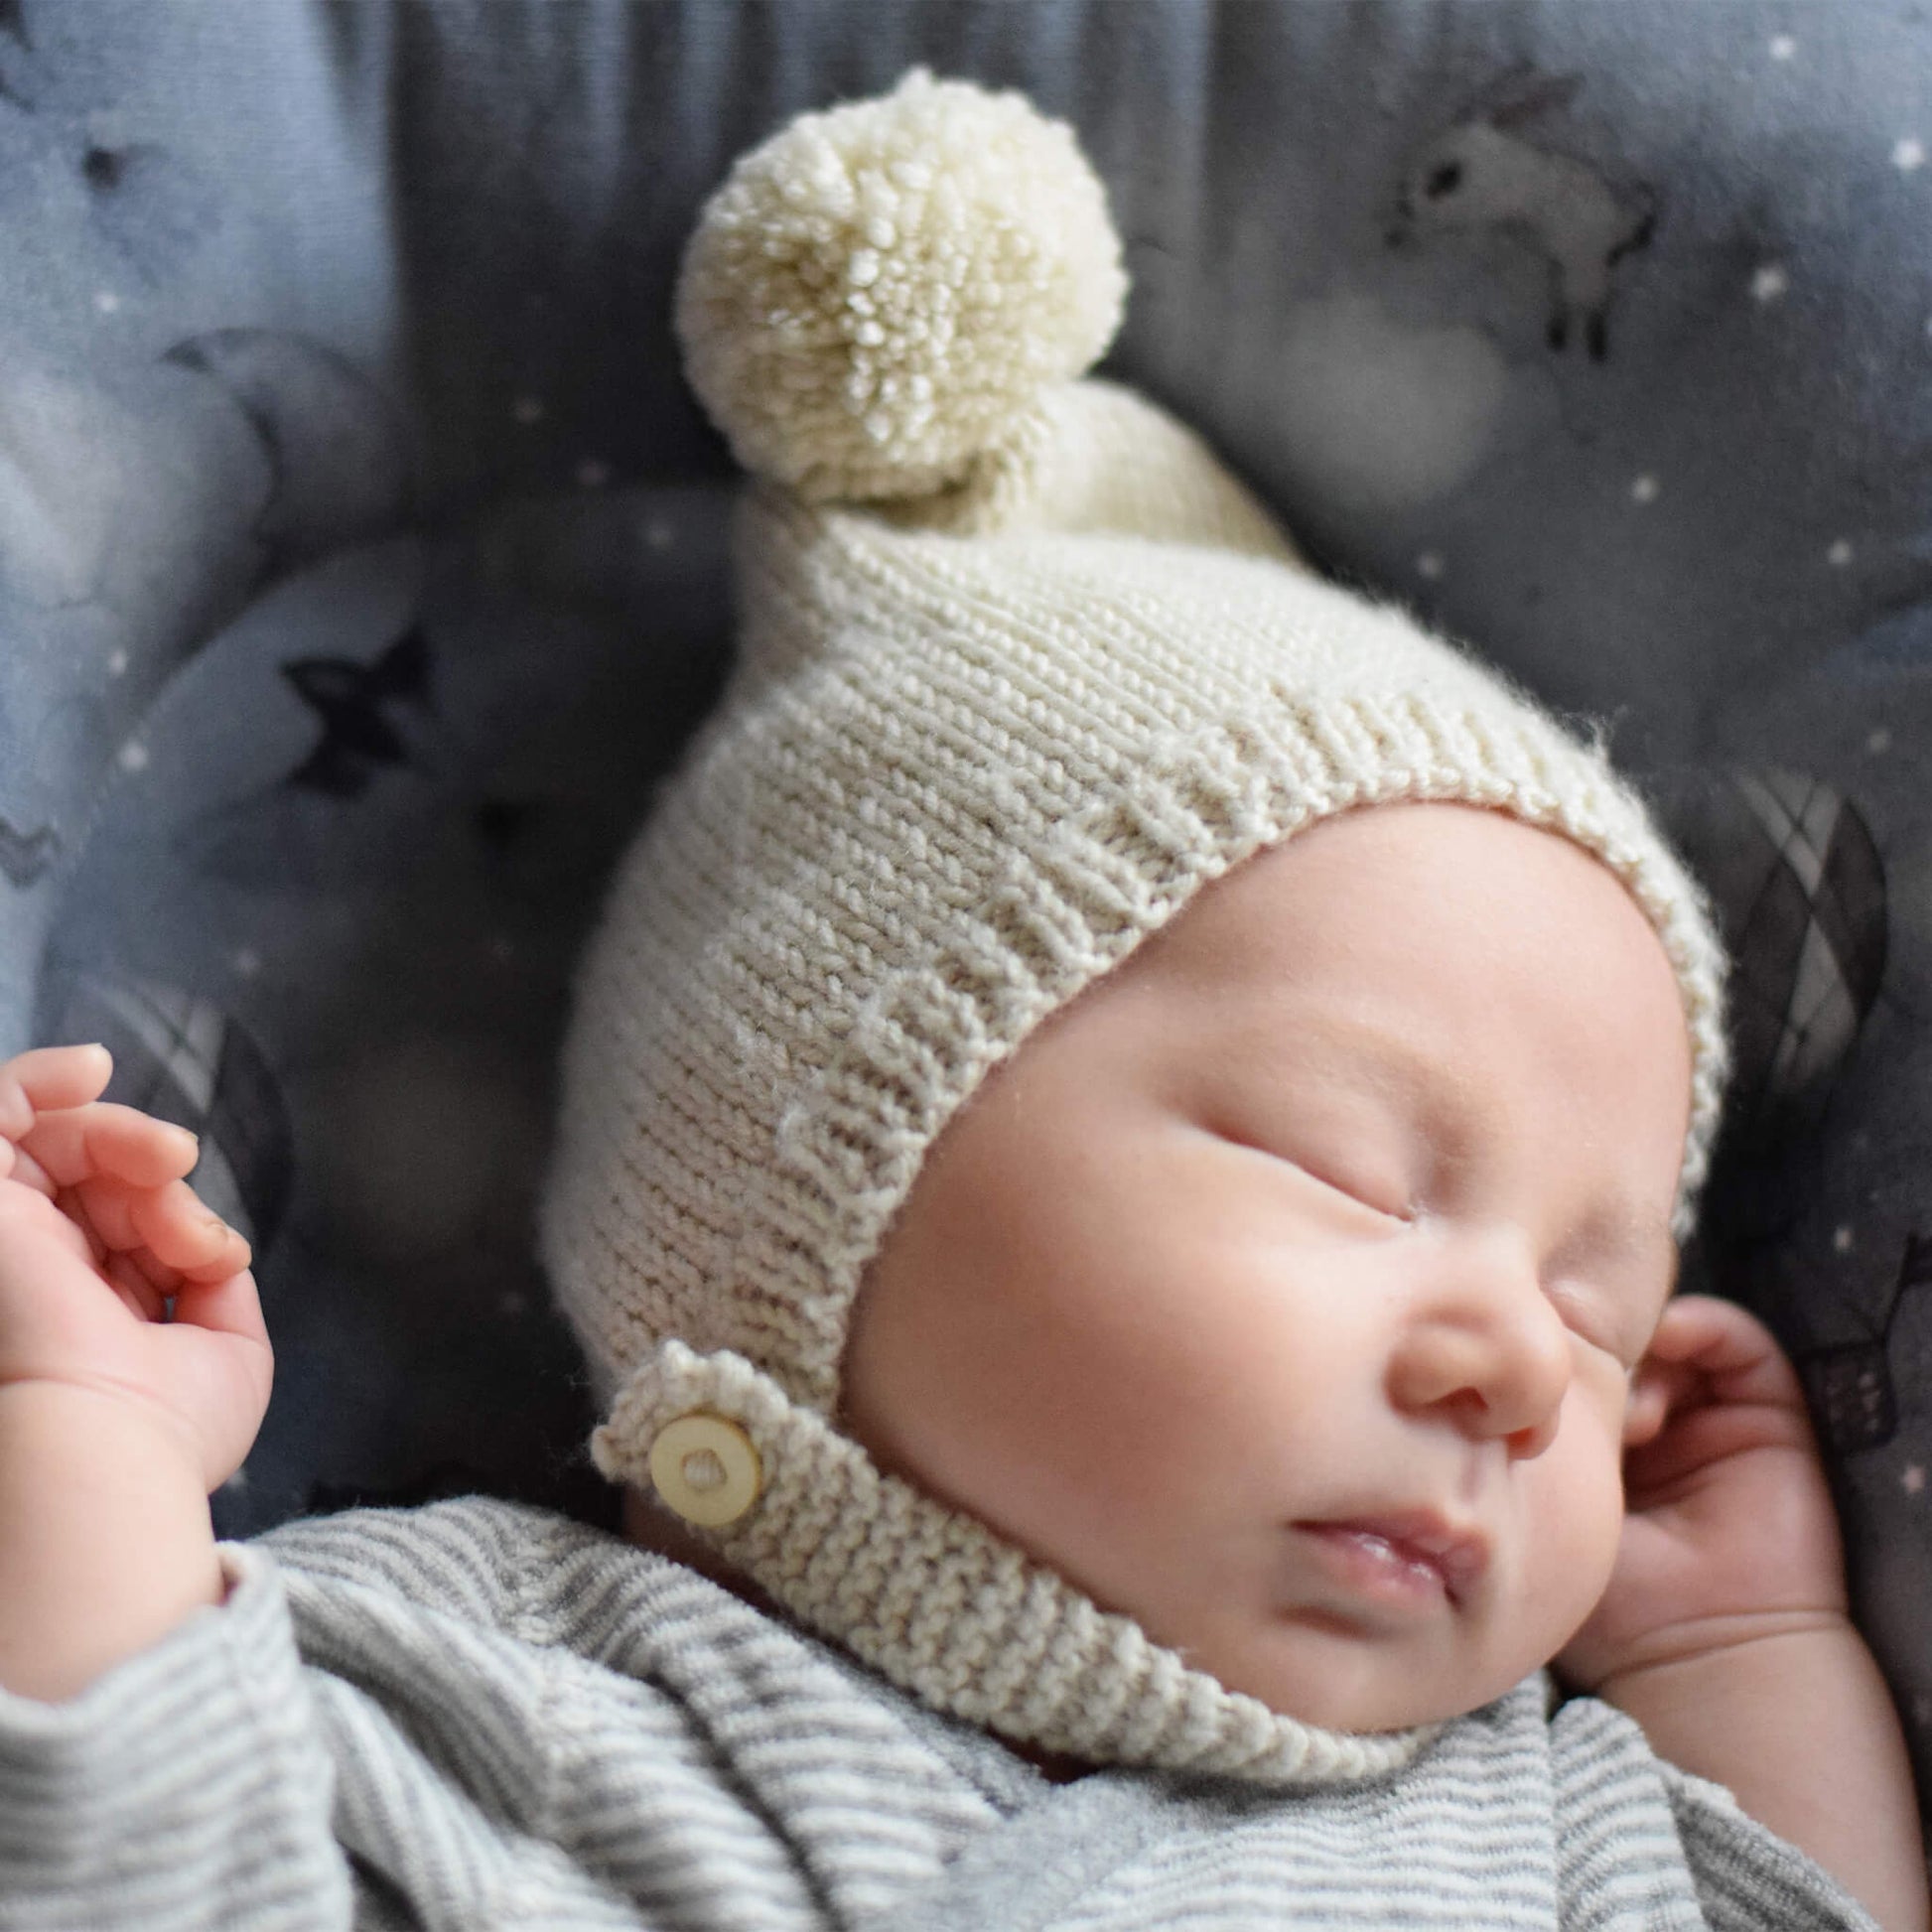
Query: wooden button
(706, 1469)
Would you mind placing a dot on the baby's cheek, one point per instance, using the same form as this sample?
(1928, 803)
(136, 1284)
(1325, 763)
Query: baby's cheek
(1581, 1518)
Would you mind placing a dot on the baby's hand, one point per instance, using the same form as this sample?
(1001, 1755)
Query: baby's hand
(1729, 1532)
(98, 1231)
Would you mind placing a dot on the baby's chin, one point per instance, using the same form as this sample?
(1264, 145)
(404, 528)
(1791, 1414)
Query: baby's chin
(1338, 1680)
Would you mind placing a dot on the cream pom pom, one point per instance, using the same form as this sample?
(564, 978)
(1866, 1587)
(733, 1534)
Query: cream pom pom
(881, 292)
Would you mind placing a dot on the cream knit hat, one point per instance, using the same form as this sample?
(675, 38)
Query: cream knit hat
(1022, 667)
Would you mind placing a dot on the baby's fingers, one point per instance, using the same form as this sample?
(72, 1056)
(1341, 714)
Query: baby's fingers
(47, 1078)
(183, 1235)
(74, 1145)
(1727, 1349)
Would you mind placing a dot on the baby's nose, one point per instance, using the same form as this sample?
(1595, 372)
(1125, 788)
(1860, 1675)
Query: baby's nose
(1484, 1348)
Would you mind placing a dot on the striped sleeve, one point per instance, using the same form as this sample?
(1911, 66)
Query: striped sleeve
(186, 1789)
(1633, 1829)
(1747, 1876)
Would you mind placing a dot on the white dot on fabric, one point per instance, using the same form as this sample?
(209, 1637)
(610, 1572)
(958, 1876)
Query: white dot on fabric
(1839, 555)
(1782, 46)
(117, 664)
(1770, 282)
(658, 534)
(247, 962)
(591, 474)
(1430, 564)
(1841, 1241)
(238, 1481)
(1879, 742)
(1644, 490)
(1909, 155)
(527, 409)
(134, 756)
(106, 301)
(1913, 1479)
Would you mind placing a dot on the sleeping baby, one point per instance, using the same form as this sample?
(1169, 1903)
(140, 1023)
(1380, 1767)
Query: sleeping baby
(1123, 1141)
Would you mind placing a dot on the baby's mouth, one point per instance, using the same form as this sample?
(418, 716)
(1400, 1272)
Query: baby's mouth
(1406, 1557)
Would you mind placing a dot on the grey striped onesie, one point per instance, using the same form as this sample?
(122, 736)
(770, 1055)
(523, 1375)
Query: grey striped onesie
(480, 1714)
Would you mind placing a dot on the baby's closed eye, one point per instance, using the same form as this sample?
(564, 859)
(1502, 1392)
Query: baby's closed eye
(1342, 1163)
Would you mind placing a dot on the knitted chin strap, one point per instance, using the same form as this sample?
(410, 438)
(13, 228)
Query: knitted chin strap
(938, 1603)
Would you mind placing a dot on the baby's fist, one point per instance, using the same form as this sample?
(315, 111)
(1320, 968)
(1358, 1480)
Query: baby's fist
(1730, 1530)
(98, 1234)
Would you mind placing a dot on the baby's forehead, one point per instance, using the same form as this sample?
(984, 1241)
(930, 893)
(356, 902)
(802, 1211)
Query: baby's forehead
(1421, 883)
(1497, 979)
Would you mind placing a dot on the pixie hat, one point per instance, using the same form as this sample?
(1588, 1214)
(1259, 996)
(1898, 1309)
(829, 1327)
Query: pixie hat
(1021, 668)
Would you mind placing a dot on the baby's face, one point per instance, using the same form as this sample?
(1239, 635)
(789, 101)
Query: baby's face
(1284, 1290)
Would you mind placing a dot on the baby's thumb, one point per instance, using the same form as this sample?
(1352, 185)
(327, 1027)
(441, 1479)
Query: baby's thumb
(1663, 1379)
(1648, 1403)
